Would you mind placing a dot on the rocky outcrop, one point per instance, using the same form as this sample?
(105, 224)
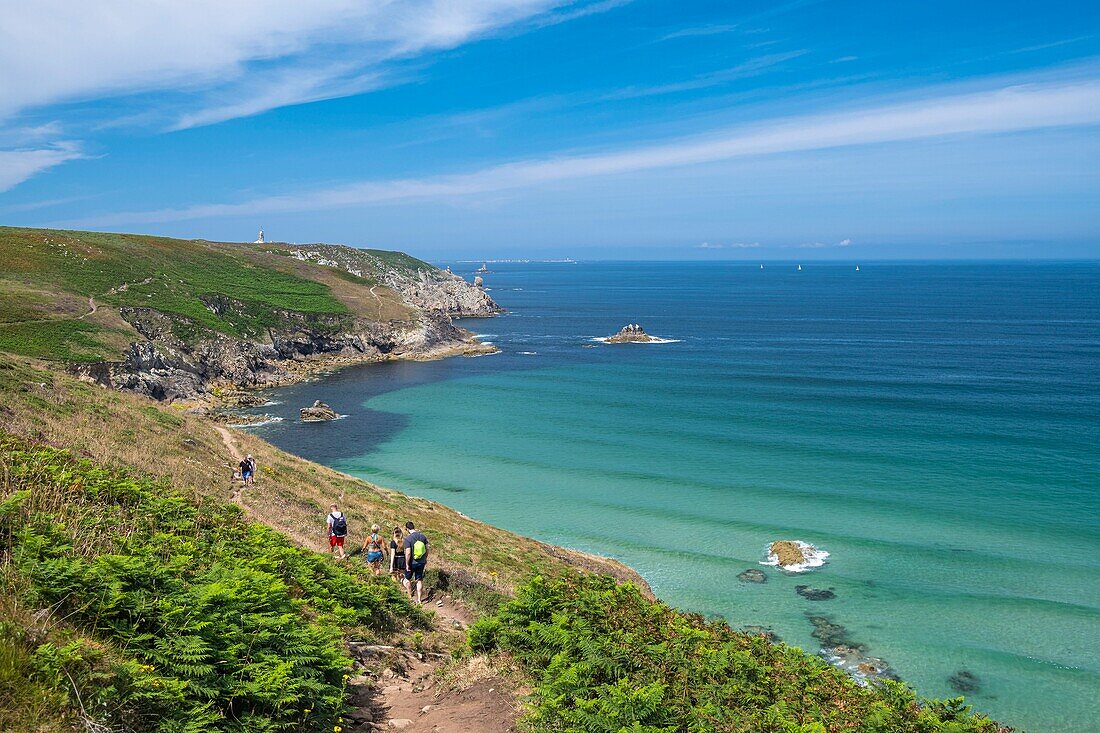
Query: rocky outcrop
(318, 412)
(840, 650)
(788, 553)
(444, 292)
(419, 284)
(631, 333)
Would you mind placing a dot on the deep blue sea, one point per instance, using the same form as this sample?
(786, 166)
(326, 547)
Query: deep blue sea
(934, 426)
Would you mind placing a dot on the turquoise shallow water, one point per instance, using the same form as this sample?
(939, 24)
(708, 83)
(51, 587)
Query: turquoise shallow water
(933, 426)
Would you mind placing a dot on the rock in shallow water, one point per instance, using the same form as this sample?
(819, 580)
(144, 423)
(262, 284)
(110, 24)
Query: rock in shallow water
(832, 634)
(752, 575)
(814, 594)
(788, 552)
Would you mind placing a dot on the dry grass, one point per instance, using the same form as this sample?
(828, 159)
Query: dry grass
(291, 495)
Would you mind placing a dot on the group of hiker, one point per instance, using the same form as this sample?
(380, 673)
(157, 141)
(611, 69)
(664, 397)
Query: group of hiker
(408, 551)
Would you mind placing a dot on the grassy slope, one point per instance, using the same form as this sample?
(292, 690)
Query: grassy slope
(48, 275)
(291, 494)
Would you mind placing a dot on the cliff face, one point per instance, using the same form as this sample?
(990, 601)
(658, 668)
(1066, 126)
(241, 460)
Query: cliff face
(167, 367)
(441, 291)
(180, 361)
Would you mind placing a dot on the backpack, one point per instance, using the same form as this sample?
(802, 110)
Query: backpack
(375, 542)
(420, 549)
(339, 525)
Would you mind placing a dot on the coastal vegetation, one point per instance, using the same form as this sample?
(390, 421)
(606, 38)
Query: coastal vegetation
(603, 657)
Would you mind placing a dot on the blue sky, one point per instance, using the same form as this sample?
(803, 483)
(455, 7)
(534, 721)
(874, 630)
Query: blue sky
(540, 128)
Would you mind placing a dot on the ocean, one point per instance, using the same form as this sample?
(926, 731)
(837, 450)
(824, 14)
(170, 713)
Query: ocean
(935, 427)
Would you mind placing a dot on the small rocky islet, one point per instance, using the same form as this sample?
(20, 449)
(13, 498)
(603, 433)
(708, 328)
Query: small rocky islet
(318, 412)
(790, 552)
(631, 333)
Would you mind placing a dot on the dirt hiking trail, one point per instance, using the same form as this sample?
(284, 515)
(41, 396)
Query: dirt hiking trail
(403, 688)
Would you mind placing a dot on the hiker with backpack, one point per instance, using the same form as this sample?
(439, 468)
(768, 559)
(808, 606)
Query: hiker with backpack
(397, 558)
(337, 531)
(374, 546)
(416, 559)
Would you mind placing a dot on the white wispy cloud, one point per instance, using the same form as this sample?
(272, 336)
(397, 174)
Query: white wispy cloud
(200, 62)
(17, 166)
(749, 68)
(1007, 107)
(62, 51)
(730, 245)
(285, 87)
(696, 31)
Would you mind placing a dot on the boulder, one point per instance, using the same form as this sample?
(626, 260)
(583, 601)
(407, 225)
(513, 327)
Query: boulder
(318, 412)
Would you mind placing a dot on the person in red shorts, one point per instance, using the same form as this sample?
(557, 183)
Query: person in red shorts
(337, 531)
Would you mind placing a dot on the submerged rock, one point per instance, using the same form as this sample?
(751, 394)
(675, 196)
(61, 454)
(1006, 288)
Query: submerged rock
(318, 412)
(964, 681)
(840, 650)
(752, 575)
(814, 594)
(832, 634)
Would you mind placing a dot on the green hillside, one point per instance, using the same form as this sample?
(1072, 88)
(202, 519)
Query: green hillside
(48, 276)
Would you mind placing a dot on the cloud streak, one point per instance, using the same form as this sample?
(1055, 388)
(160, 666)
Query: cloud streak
(58, 51)
(1005, 108)
(17, 166)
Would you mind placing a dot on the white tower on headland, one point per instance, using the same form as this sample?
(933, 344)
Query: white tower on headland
(260, 239)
